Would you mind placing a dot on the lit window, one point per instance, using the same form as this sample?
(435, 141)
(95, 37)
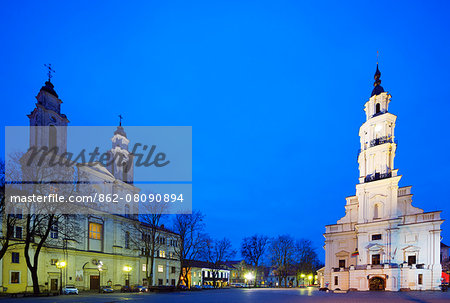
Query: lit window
(160, 268)
(144, 267)
(15, 277)
(376, 259)
(411, 260)
(162, 254)
(420, 279)
(95, 231)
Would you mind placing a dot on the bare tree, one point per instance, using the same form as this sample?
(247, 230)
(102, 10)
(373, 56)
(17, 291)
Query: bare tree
(8, 218)
(149, 238)
(190, 230)
(282, 256)
(307, 260)
(217, 253)
(40, 219)
(253, 249)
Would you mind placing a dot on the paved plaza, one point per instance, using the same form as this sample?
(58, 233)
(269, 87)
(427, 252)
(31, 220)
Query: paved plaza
(247, 295)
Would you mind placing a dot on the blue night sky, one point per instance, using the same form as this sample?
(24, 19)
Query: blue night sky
(274, 92)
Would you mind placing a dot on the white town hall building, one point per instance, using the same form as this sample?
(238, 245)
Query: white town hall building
(382, 242)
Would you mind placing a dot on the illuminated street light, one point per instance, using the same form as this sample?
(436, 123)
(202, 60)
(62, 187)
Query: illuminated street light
(127, 269)
(60, 265)
(100, 268)
(249, 276)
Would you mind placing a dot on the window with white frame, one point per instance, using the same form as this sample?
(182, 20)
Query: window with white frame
(15, 277)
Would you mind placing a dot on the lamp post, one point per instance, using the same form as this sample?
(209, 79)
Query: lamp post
(249, 276)
(310, 277)
(60, 265)
(303, 279)
(100, 268)
(127, 269)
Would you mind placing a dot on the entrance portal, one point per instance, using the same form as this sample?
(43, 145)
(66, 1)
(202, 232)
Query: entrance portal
(53, 284)
(94, 282)
(377, 283)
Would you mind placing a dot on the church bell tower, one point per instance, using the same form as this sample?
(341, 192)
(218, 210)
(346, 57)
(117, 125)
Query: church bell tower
(48, 126)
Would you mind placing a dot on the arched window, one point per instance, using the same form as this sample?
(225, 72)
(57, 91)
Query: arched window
(375, 211)
(378, 108)
(124, 172)
(52, 137)
(127, 211)
(127, 239)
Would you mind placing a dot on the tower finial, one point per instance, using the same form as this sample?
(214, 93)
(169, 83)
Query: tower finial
(120, 120)
(50, 71)
(378, 89)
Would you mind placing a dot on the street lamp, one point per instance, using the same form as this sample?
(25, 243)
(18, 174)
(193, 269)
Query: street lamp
(127, 269)
(60, 265)
(310, 277)
(249, 276)
(303, 279)
(100, 268)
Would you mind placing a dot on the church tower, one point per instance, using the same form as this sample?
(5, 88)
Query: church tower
(376, 159)
(383, 242)
(48, 126)
(122, 166)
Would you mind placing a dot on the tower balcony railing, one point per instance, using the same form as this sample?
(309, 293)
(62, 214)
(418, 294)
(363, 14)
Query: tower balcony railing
(376, 142)
(381, 140)
(377, 176)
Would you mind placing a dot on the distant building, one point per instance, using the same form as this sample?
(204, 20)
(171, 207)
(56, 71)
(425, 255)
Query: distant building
(382, 242)
(445, 256)
(204, 273)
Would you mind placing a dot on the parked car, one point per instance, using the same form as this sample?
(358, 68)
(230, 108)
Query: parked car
(70, 289)
(125, 288)
(206, 286)
(139, 288)
(107, 289)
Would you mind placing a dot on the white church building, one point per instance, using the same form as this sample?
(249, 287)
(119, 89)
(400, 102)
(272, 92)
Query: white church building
(382, 242)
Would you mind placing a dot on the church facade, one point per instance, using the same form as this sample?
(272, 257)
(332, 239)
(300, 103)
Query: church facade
(383, 242)
(104, 249)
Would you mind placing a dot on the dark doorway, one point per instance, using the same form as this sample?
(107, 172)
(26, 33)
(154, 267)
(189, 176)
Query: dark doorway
(377, 283)
(53, 284)
(95, 283)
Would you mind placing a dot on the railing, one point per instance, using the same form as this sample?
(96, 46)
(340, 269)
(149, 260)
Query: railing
(378, 141)
(381, 140)
(377, 176)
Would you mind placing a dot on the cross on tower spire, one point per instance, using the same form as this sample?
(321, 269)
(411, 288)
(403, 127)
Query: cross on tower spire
(120, 120)
(50, 71)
